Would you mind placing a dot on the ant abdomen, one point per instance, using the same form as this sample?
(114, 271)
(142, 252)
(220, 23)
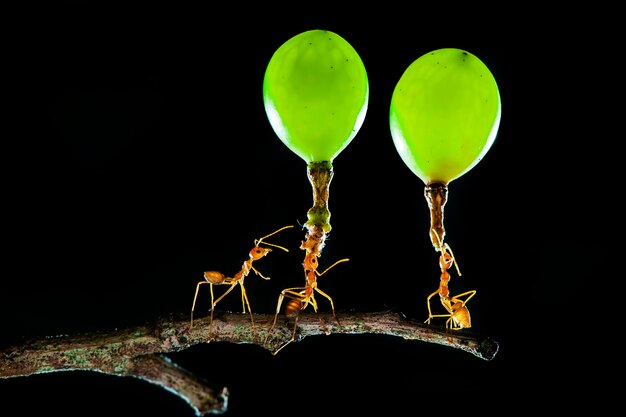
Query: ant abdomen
(461, 315)
(214, 277)
(293, 307)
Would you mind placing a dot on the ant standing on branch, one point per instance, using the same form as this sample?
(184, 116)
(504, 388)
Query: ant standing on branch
(300, 297)
(217, 278)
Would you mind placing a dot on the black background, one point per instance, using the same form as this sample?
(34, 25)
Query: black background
(144, 157)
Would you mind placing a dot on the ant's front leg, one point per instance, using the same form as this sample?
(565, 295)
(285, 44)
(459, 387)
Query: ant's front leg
(259, 274)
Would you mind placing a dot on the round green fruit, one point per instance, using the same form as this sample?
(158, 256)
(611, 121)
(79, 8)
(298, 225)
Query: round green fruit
(444, 114)
(315, 92)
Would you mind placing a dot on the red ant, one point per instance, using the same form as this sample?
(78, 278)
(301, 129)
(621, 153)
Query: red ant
(458, 313)
(300, 297)
(217, 278)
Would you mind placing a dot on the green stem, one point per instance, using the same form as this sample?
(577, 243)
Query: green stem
(318, 224)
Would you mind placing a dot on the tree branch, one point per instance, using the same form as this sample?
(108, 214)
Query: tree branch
(137, 351)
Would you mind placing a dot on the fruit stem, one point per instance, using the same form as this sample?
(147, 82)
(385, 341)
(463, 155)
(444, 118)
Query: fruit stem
(318, 224)
(436, 195)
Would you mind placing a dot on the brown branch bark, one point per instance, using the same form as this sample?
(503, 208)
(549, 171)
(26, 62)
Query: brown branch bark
(137, 351)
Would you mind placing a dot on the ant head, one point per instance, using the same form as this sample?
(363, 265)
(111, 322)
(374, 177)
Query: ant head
(310, 261)
(445, 261)
(258, 252)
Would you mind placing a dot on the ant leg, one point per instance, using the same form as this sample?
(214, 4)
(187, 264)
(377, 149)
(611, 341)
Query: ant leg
(214, 303)
(193, 306)
(430, 314)
(313, 302)
(293, 335)
(244, 298)
(281, 297)
(449, 322)
(232, 286)
(449, 249)
(295, 328)
(295, 296)
(286, 343)
(289, 293)
(280, 301)
(332, 306)
(258, 273)
(458, 297)
(441, 315)
(452, 324)
(319, 274)
(271, 329)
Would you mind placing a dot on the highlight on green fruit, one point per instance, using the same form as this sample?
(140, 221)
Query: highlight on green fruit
(444, 114)
(315, 92)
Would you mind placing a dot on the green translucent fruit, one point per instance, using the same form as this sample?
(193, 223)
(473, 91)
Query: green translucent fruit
(445, 113)
(315, 92)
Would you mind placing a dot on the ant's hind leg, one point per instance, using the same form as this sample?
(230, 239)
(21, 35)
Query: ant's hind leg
(195, 297)
(470, 294)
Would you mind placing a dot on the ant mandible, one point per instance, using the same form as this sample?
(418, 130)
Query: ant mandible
(458, 313)
(217, 278)
(300, 297)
